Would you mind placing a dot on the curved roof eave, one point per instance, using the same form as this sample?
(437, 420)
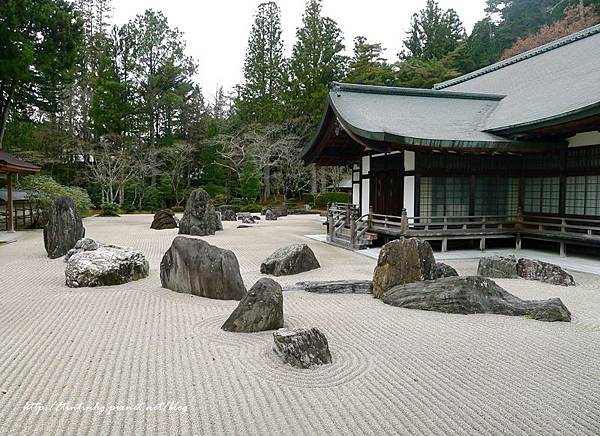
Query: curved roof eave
(501, 145)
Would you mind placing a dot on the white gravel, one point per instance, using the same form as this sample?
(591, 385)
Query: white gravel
(138, 359)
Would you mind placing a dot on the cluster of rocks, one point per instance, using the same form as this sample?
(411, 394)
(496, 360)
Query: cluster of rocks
(248, 218)
(508, 267)
(200, 217)
(407, 276)
(164, 219)
(91, 263)
(277, 211)
(227, 213)
(63, 229)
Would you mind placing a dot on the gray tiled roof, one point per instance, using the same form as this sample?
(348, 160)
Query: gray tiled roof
(429, 118)
(554, 80)
(17, 195)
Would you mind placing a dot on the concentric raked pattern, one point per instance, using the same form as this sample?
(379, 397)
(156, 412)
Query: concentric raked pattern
(394, 371)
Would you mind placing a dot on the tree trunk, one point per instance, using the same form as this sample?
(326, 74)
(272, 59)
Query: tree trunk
(313, 178)
(5, 109)
(266, 183)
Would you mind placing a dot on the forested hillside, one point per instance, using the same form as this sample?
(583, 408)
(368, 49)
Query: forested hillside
(116, 110)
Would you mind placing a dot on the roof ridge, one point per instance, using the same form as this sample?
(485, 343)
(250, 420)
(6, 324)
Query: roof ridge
(565, 40)
(338, 87)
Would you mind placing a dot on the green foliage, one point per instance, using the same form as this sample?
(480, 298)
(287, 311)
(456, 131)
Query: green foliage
(154, 199)
(434, 33)
(45, 190)
(250, 181)
(252, 208)
(368, 66)
(216, 190)
(480, 49)
(264, 73)
(316, 62)
(417, 73)
(322, 199)
(39, 45)
(109, 209)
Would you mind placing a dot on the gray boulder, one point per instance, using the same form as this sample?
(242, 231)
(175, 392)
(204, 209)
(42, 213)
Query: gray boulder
(498, 267)
(472, 294)
(104, 265)
(302, 347)
(199, 217)
(227, 213)
(293, 259)
(193, 266)
(218, 223)
(444, 270)
(544, 272)
(261, 309)
(164, 219)
(403, 261)
(270, 216)
(64, 227)
(84, 244)
(337, 287)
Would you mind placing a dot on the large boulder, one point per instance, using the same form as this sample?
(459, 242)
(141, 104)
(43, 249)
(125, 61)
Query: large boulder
(199, 217)
(302, 347)
(444, 270)
(337, 287)
(498, 267)
(292, 259)
(64, 227)
(227, 213)
(193, 266)
(472, 294)
(270, 216)
(84, 244)
(164, 219)
(96, 264)
(403, 261)
(544, 272)
(261, 309)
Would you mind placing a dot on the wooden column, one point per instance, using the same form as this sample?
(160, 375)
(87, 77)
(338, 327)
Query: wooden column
(10, 225)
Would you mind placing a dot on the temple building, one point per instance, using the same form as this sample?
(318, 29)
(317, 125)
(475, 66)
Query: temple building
(519, 137)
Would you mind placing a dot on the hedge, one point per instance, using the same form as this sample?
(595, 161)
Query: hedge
(322, 199)
(45, 190)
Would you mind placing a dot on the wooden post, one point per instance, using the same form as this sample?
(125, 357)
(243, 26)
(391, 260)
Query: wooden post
(352, 233)
(330, 223)
(518, 242)
(10, 224)
(563, 251)
(370, 219)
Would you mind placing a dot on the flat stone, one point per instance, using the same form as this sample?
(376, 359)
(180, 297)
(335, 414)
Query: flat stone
(105, 265)
(337, 287)
(259, 310)
(302, 347)
(64, 227)
(404, 260)
(293, 259)
(194, 266)
(498, 267)
(472, 294)
(544, 272)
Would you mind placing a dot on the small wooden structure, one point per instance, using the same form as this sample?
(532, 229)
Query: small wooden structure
(10, 165)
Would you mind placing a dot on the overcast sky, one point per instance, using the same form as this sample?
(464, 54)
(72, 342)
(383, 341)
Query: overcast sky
(217, 31)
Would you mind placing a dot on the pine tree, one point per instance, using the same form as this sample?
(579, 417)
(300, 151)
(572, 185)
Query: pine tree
(316, 62)
(434, 33)
(260, 94)
(368, 66)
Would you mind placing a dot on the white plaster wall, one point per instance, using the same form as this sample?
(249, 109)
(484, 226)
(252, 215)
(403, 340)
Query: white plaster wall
(365, 200)
(366, 165)
(583, 139)
(409, 161)
(356, 193)
(409, 195)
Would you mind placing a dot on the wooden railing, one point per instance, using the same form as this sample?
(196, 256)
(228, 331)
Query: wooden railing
(24, 216)
(346, 226)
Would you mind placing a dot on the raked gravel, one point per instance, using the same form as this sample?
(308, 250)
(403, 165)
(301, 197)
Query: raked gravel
(138, 359)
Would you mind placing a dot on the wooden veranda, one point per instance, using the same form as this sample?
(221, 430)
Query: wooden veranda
(10, 165)
(348, 228)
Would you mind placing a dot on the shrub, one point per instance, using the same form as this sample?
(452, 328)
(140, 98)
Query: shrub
(252, 208)
(153, 199)
(177, 209)
(129, 208)
(322, 199)
(109, 209)
(45, 190)
(213, 190)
